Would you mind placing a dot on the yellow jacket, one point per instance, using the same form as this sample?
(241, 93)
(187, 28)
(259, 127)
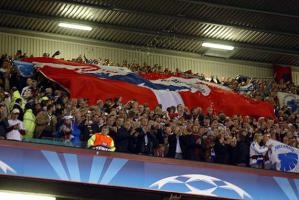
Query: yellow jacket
(29, 124)
(16, 94)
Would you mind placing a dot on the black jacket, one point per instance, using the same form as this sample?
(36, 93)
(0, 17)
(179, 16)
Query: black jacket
(242, 155)
(141, 147)
(3, 127)
(88, 130)
(188, 147)
(122, 140)
(221, 153)
(172, 141)
(159, 134)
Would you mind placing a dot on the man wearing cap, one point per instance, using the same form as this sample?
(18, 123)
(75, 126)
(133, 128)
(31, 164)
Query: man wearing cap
(16, 128)
(18, 105)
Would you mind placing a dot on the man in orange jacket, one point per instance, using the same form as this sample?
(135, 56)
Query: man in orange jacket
(101, 141)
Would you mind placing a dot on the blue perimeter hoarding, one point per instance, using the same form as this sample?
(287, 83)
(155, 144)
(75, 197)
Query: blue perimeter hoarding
(143, 174)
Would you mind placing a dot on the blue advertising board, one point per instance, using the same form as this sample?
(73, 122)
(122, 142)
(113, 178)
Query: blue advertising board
(142, 174)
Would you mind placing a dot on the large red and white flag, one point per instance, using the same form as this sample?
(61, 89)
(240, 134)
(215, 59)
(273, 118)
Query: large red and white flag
(102, 82)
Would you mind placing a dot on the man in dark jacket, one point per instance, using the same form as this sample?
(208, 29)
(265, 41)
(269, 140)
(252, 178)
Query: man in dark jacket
(242, 149)
(122, 138)
(146, 142)
(90, 127)
(188, 146)
(3, 122)
(175, 141)
(221, 151)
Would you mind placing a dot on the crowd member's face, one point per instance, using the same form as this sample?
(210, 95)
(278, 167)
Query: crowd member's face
(82, 104)
(110, 121)
(101, 121)
(140, 108)
(28, 93)
(285, 140)
(105, 131)
(122, 114)
(290, 134)
(214, 124)
(195, 129)
(244, 133)
(119, 122)
(158, 110)
(151, 123)
(147, 110)
(67, 122)
(14, 116)
(195, 111)
(29, 82)
(199, 110)
(2, 109)
(49, 91)
(113, 112)
(186, 132)
(96, 118)
(135, 105)
(221, 138)
(144, 121)
(78, 116)
(168, 130)
(127, 125)
(259, 138)
(136, 124)
(180, 108)
(177, 130)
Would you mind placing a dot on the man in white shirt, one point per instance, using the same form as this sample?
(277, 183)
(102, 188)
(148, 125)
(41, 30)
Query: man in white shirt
(29, 85)
(15, 127)
(257, 152)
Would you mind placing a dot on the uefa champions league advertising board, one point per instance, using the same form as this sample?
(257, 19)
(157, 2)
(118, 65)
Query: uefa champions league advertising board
(145, 175)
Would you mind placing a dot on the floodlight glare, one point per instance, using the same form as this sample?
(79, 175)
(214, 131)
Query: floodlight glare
(217, 46)
(75, 26)
(23, 196)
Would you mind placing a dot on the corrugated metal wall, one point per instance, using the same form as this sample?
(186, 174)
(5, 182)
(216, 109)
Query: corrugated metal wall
(9, 43)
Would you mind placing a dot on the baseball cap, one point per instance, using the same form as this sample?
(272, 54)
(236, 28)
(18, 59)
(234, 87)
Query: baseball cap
(68, 117)
(15, 111)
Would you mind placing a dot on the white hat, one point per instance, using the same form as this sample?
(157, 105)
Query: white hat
(68, 117)
(15, 111)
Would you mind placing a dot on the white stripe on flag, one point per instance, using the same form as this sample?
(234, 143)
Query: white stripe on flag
(168, 98)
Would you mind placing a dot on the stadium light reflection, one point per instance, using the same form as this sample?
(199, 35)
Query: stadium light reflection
(75, 26)
(8, 195)
(217, 46)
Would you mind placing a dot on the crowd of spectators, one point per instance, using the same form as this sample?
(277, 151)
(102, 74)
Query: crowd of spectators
(36, 108)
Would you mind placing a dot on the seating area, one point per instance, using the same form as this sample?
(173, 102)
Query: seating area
(36, 109)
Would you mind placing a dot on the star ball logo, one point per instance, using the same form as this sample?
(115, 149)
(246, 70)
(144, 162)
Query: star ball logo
(199, 184)
(6, 168)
